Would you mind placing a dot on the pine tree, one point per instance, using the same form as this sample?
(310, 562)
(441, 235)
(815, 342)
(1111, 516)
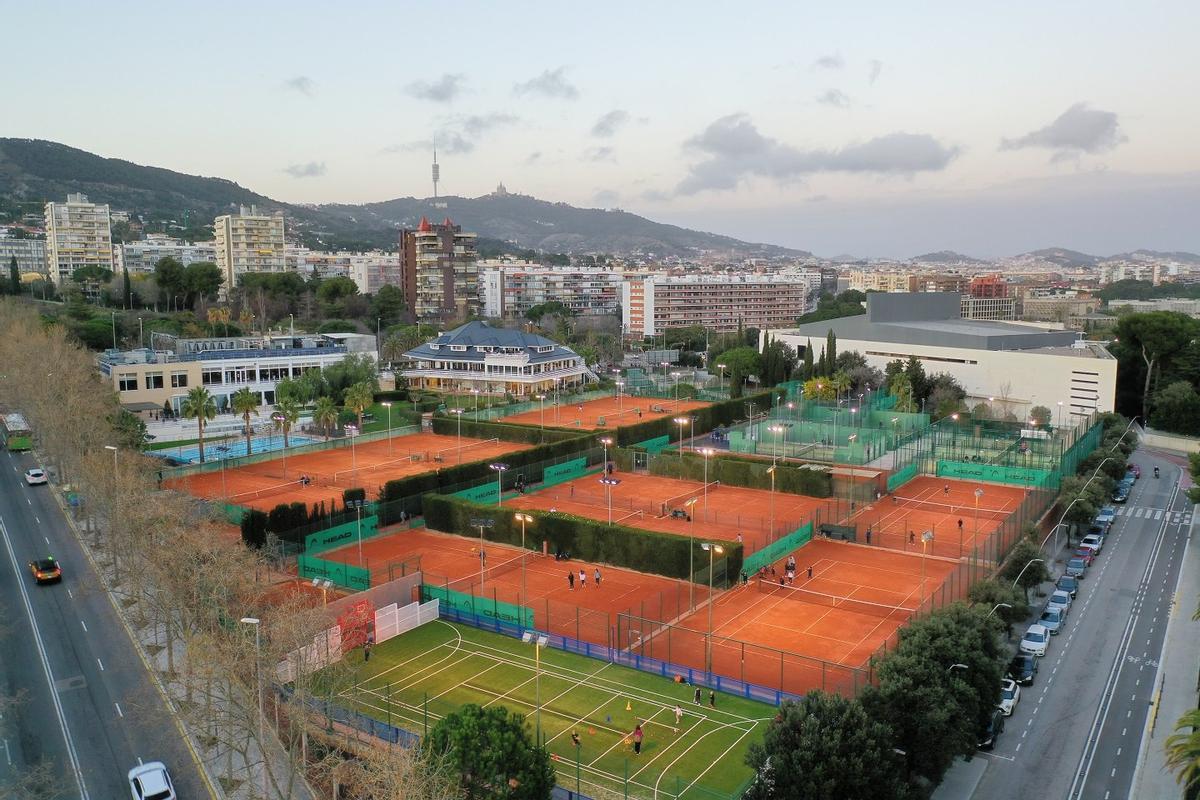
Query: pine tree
(808, 361)
(14, 276)
(127, 291)
(830, 353)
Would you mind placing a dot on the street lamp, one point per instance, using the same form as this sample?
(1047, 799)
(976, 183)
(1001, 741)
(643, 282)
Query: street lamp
(258, 663)
(771, 472)
(975, 540)
(499, 467)
(324, 585)
(718, 550)
(691, 551)
(926, 538)
(1022, 572)
(523, 519)
(1073, 502)
(542, 399)
(681, 421)
(538, 641)
(476, 393)
(620, 395)
(606, 441)
(706, 452)
(608, 484)
(676, 376)
(388, 405)
(777, 430)
(721, 377)
(458, 412)
(998, 605)
(352, 430)
(953, 667)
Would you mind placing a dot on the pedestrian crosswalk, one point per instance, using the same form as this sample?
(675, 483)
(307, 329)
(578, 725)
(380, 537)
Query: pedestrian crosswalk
(1149, 513)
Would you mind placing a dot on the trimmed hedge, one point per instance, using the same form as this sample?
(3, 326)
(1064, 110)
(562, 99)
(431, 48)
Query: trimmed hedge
(505, 432)
(585, 539)
(405, 494)
(707, 418)
(735, 471)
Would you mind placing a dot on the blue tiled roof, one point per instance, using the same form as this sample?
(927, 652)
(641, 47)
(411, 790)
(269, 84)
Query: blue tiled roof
(479, 334)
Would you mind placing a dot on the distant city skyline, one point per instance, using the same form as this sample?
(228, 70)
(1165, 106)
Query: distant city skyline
(888, 131)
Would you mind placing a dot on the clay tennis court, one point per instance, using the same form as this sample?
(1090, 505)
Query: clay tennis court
(898, 521)
(583, 612)
(648, 502)
(606, 412)
(266, 484)
(857, 598)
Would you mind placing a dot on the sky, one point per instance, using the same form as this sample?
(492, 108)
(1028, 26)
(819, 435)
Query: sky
(870, 128)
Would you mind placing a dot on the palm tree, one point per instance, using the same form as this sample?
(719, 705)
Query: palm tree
(393, 349)
(245, 402)
(840, 383)
(287, 414)
(359, 398)
(325, 415)
(1183, 751)
(200, 406)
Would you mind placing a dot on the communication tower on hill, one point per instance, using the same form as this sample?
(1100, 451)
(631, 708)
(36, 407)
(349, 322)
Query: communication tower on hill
(437, 174)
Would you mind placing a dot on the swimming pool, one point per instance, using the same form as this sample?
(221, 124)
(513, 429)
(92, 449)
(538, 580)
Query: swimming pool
(234, 448)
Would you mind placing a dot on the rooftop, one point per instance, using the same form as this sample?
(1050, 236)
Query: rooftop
(477, 340)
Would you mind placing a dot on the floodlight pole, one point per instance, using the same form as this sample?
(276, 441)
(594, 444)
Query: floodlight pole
(975, 540)
(523, 518)
(711, 548)
(706, 452)
(388, 405)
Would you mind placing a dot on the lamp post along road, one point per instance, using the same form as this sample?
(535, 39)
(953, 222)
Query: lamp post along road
(258, 665)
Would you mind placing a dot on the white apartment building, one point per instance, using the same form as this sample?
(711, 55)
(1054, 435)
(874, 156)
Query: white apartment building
(141, 256)
(871, 280)
(78, 234)
(989, 308)
(369, 270)
(248, 242)
(510, 290)
(29, 253)
(1180, 305)
(1009, 366)
(718, 302)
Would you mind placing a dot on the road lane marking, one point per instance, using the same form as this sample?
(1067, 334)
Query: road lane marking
(119, 712)
(84, 624)
(47, 538)
(101, 663)
(70, 595)
(41, 651)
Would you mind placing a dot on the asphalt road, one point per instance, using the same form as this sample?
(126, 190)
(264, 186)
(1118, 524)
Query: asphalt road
(1076, 731)
(88, 705)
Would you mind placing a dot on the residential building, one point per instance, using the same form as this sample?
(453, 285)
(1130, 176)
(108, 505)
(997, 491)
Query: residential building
(141, 256)
(147, 378)
(29, 253)
(720, 303)
(944, 282)
(369, 270)
(1009, 366)
(1113, 271)
(510, 290)
(988, 286)
(248, 242)
(1177, 304)
(1058, 307)
(494, 361)
(78, 234)
(871, 280)
(438, 270)
(988, 308)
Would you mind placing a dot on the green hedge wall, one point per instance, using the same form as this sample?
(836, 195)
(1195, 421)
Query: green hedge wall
(723, 413)
(585, 539)
(491, 429)
(404, 494)
(735, 471)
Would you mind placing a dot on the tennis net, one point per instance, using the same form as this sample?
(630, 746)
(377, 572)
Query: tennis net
(679, 500)
(467, 583)
(452, 452)
(802, 595)
(343, 474)
(268, 491)
(966, 511)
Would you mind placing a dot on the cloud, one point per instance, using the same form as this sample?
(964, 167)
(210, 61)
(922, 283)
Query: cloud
(312, 169)
(442, 90)
(457, 134)
(551, 83)
(608, 124)
(1077, 130)
(302, 84)
(599, 154)
(876, 68)
(606, 197)
(656, 196)
(533, 157)
(736, 150)
(832, 61)
(835, 98)
(817, 198)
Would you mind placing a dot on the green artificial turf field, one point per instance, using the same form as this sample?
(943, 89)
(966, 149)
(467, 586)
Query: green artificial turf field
(415, 679)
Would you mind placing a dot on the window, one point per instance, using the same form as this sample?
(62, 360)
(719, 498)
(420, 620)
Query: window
(210, 376)
(154, 380)
(179, 380)
(127, 383)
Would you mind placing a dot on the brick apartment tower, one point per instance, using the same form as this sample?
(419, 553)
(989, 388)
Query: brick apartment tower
(438, 271)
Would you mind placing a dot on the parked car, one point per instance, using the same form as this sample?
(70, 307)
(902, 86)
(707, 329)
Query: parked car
(1107, 516)
(1052, 619)
(1023, 668)
(1010, 695)
(1076, 568)
(151, 781)
(1084, 555)
(1092, 542)
(1059, 599)
(987, 739)
(1068, 583)
(1120, 494)
(1035, 640)
(35, 476)
(1096, 529)
(1136, 470)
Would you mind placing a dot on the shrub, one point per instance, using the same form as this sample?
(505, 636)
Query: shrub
(254, 528)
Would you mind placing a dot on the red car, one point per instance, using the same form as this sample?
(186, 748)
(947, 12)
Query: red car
(1135, 469)
(1087, 555)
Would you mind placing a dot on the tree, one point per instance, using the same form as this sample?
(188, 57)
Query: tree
(1177, 409)
(200, 406)
(946, 395)
(353, 369)
(988, 594)
(1194, 469)
(245, 402)
(169, 275)
(493, 754)
(840, 382)
(554, 307)
(201, 279)
(935, 709)
(14, 277)
(332, 293)
(917, 380)
(808, 362)
(1146, 345)
(741, 362)
(325, 415)
(287, 414)
(126, 290)
(826, 747)
(388, 306)
(830, 351)
(92, 273)
(1040, 416)
(1026, 566)
(130, 430)
(1183, 752)
(359, 398)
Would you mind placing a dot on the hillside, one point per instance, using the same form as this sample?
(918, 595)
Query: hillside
(1064, 257)
(33, 171)
(946, 257)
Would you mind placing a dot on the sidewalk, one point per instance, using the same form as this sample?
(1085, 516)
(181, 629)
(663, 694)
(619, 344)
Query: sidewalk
(1176, 677)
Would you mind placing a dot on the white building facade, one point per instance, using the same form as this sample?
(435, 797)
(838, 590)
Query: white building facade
(248, 242)
(141, 256)
(720, 303)
(78, 234)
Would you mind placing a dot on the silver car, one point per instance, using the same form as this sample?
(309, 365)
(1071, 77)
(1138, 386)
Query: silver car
(1061, 600)
(1052, 620)
(1035, 640)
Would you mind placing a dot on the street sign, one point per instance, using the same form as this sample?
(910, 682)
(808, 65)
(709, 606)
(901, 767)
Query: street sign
(481, 522)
